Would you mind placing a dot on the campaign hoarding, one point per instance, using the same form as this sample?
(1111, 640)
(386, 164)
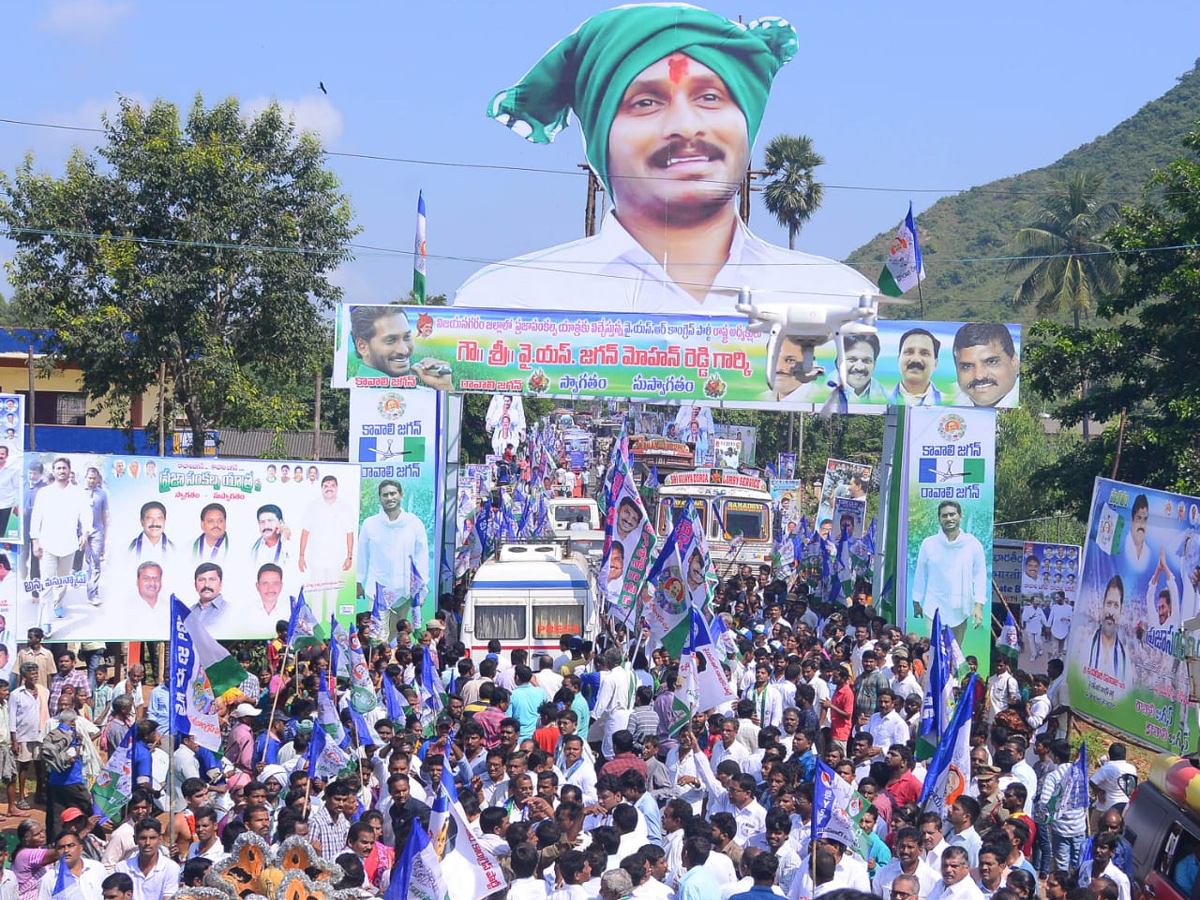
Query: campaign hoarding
(9, 633)
(842, 479)
(1131, 632)
(656, 358)
(850, 514)
(394, 438)
(950, 491)
(1047, 569)
(12, 455)
(110, 539)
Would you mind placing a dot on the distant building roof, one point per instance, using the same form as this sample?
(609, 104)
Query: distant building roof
(260, 443)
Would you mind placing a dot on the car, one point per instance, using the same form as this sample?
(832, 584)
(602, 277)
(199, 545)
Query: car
(1162, 823)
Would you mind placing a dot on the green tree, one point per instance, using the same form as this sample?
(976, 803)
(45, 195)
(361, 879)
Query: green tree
(793, 194)
(1069, 266)
(1143, 360)
(204, 246)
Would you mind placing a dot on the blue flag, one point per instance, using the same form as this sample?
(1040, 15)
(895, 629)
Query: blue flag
(652, 481)
(823, 797)
(935, 714)
(950, 769)
(66, 885)
(394, 702)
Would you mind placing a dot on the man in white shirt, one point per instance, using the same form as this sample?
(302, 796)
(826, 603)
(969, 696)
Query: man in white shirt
(391, 543)
(887, 726)
(154, 876)
(674, 237)
(729, 747)
(58, 529)
(933, 841)
(956, 883)
(951, 576)
(614, 699)
(1003, 690)
(768, 704)
(326, 546)
(907, 863)
(904, 682)
(1104, 847)
(1107, 781)
(577, 770)
(88, 873)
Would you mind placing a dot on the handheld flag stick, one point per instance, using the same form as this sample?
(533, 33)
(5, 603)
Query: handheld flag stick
(279, 690)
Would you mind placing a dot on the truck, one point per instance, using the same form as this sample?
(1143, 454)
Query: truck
(529, 596)
(740, 530)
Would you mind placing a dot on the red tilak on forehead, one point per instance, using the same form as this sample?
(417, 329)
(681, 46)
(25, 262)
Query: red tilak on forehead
(677, 67)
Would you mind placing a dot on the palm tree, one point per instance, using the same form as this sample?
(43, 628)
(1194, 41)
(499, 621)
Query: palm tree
(793, 194)
(1071, 267)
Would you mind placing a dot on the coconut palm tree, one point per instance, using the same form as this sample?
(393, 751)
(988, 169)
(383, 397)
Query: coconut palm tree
(793, 194)
(1071, 267)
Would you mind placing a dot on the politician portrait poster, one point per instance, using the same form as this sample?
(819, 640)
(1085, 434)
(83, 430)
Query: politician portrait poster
(111, 538)
(1134, 622)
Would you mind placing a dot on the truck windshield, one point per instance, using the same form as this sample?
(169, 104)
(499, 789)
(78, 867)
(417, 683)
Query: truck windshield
(501, 623)
(746, 518)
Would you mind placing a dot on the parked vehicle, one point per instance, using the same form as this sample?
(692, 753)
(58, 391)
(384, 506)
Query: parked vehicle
(528, 597)
(1162, 822)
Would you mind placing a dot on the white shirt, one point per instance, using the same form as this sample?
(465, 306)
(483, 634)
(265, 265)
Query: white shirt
(1002, 693)
(887, 730)
(951, 576)
(768, 705)
(89, 881)
(906, 688)
(327, 525)
(1122, 880)
(527, 889)
(881, 884)
(964, 890)
(60, 516)
(736, 751)
(387, 551)
(1060, 620)
(639, 283)
(1108, 783)
(161, 884)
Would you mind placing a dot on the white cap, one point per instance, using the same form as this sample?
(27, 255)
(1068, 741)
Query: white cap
(245, 709)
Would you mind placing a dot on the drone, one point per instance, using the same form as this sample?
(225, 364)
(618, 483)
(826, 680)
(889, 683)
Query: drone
(809, 325)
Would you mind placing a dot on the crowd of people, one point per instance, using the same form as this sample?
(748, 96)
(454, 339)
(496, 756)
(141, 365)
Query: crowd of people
(570, 774)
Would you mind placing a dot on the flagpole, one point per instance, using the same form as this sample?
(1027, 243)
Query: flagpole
(921, 298)
(275, 700)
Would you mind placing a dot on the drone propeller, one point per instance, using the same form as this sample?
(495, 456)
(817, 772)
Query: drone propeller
(749, 293)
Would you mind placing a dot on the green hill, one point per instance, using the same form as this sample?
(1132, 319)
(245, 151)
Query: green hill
(980, 223)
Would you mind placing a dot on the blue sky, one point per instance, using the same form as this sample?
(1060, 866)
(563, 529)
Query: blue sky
(904, 101)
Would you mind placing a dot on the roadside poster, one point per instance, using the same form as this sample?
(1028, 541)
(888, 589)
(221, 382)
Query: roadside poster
(950, 468)
(842, 479)
(1047, 569)
(1134, 623)
(394, 439)
(111, 538)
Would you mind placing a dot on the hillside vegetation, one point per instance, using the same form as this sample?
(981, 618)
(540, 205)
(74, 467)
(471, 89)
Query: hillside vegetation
(980, 223)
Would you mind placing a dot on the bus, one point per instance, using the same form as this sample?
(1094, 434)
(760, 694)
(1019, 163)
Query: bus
(740, 532)
(529, 596)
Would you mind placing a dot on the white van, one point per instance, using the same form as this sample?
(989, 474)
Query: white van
(565, 511)
(529, 597)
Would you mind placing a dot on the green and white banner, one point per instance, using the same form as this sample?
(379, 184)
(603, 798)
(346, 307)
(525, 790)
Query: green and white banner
(665, 358)
(949, 485)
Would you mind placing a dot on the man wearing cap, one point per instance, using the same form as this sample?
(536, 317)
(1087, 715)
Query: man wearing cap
(669, 99)
(239, 744)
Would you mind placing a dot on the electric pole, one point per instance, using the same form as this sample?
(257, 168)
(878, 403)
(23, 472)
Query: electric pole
(589, 210)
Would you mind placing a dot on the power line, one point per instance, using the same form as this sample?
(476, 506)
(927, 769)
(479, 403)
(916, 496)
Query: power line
(574, 173)
(510, 263)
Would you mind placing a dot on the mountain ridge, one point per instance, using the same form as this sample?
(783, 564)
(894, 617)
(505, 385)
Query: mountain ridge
(966, 237)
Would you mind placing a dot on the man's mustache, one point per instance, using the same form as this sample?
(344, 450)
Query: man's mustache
(982, 382)
(915, 365)
(678, 149)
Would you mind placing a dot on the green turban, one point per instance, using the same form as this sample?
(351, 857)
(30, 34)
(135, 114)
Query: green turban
(589, 70)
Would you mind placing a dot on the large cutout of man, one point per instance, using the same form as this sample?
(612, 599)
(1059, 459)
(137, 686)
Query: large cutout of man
(951, 574)
(669, 99)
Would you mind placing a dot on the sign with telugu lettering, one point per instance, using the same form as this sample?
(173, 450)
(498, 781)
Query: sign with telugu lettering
(1133, 624)
(662, 359)
(949, 464)
(118, 535)
(394, 438)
